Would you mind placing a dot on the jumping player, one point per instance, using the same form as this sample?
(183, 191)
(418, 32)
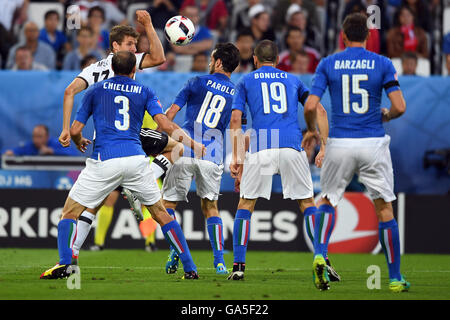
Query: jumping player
(208, 101)
(122, 38)
(117, 106)
(358, 143)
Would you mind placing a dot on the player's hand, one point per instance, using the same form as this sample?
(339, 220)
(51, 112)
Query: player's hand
(64, 138)
(235, 169)
(143, 17)
(199, 150)
(309, 138)
(385, 114)
(319, 158)
(82, 144)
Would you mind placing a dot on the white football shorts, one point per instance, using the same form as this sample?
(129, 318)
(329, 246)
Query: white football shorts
(99, 178)
(178, 179)
(290, 164)
(369, 158)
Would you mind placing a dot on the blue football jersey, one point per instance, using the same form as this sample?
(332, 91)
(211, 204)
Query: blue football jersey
(272, 97)
(208, 101)
(117, 106)
(355, 78)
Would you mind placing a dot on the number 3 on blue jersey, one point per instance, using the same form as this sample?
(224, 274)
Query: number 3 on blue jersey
(211, 117)
(123, 126)
(356, 78)
(277, 93)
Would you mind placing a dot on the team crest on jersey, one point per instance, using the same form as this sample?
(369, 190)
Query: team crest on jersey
(356, 226)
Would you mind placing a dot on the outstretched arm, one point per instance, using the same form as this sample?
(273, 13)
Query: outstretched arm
(178, 134)
(75, 87)
(155, 56)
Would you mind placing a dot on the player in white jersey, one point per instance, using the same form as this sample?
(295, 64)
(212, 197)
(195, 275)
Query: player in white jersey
(122, 38)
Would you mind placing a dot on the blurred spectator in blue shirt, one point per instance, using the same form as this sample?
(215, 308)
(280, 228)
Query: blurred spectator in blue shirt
(50, 33)
(42, 52)
(203, 40)
(72, 61)
(96, 21)
(42, 144)
(24, 61)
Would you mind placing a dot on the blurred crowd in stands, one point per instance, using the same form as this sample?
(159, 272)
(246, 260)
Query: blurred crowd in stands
(34, 35)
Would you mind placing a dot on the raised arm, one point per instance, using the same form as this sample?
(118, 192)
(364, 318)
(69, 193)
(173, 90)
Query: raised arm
(75, 87)
(155, 56)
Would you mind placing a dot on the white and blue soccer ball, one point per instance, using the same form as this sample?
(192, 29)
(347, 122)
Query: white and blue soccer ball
(179, 30)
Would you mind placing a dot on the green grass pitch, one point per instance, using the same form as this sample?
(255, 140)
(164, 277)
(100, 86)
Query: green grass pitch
(136, 274)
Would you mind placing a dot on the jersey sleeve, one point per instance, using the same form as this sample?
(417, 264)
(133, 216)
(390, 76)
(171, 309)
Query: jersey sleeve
(87, 106)
(320, 79)
(153, 105)
(139, 59)
(183, 96)
(390, 79)
(240, 97)
(87, 74)
(303, 92)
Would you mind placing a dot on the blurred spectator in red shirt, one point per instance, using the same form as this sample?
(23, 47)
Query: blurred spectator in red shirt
(213, 14)
(406, 36)
(295, 40)
(300, 63)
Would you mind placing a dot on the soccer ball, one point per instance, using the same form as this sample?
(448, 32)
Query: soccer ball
(179, 30)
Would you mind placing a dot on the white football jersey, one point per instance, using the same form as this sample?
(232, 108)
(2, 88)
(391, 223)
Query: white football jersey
(102, 70)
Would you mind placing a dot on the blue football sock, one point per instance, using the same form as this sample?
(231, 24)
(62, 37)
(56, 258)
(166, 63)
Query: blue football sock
(66, 236)
(328, 210)
(241, 234)
(173, 234)
(215, 231)
(308, 216)
(390, 241)
(324, 219)
(171, 213)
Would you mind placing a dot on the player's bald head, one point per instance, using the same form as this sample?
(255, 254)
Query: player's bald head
(123, 63)
(266, 51)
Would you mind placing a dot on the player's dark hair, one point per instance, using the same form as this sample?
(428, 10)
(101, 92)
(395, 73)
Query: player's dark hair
(355, 27)
(96, 8)
(51, 12)
(123, 62)
(118, 33)
(266, 51)
(228, 54)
